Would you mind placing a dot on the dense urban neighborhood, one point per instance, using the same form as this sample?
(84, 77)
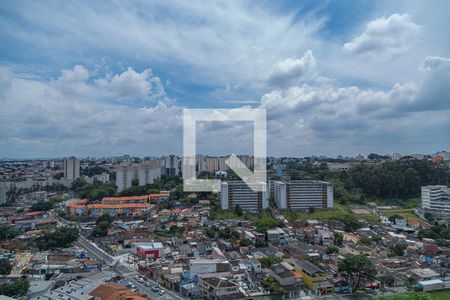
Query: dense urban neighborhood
(372, 226)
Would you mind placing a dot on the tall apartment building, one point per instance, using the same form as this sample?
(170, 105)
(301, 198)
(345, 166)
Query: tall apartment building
(213, 164)
(436, 198)
(124, 177)
(233, 193)
(146, 172)
(3, 197)
(149, 171)
(170, 165)
(71, 168)
(303, 194)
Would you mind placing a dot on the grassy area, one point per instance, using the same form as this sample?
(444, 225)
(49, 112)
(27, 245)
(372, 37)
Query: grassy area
(403, 203)
(338, 212)
(406, 213)
(441, 295)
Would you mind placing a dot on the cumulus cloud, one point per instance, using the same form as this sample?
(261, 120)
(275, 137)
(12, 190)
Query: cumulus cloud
(291, 71)
(434, 62)
(227, 42)
(73, 114)
(332, 114)
(132, 85)
(128, 85)
(385, 38)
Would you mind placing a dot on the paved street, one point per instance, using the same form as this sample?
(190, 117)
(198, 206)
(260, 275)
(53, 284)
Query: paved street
(126, 272)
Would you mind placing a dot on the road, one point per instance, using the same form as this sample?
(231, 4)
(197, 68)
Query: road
(95, 252)
(126, 272)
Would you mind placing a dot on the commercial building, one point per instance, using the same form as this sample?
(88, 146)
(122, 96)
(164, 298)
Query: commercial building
(436, 200)
(151, 250)
(238, 193)
(71, 168)
(303, 194)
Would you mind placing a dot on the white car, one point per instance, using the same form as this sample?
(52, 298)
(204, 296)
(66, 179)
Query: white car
(147, 283)
(141, 280)
(161, 292)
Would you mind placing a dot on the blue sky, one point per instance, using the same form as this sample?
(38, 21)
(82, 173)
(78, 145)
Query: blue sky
(336, 77)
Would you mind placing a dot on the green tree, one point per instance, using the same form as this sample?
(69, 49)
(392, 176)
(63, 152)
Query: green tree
(331, 249)
(270, 284)
(429, 217)
(398, 249)
(42, 206)
(5, 267)
(59, 238)
(102, 225)
(268, 261)
(7, 233)
(358, 270)
(58, 175)
(238, 210)
(265, 222)
(338, 239)
(244, 243)
(365, 241)
(395, 216)
(376, 238)
(18, 289)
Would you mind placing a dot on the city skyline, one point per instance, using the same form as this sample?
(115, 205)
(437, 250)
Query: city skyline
(336, 78)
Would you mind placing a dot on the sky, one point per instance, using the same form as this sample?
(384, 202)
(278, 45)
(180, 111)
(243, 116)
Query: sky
(101, 78)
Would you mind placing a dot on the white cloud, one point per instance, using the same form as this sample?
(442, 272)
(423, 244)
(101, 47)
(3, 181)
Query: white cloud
(131, 85)
(332, 115)
(434, 62)
(220, 42)
(73, 114)
(291, 71)
(385, 38)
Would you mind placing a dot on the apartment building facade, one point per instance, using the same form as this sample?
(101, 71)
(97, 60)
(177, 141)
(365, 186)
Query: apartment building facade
(303, 194)
(436, 197)
(71, 168)
(238, 193)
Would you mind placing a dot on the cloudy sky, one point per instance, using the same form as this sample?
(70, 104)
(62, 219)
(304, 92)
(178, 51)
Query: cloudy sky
(336, 77)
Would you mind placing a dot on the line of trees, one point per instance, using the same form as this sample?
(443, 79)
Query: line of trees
(59, 238)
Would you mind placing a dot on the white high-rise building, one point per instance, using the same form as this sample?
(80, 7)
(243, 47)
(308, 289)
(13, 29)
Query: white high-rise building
(212, 164)
(396, 156)
(2, 193)
(145, 172)
(436, 198)
(71, 168)
(201, 163)
(303, 194)
(221, 162)
(149, 171)
(170, 165)
(233, 193)
(124, 177)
